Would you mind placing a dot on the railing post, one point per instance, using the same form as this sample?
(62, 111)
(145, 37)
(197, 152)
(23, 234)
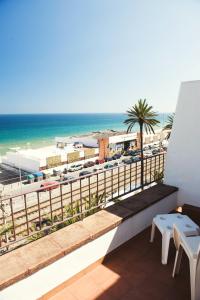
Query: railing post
(145, 171)
(118, 178)
(13, 220)
(124, 179)
(81, 200)
(136, 175)
(61, 201)
(27, 223)
(97, 185)
(71, 197)
(50, 202)
(39, 212)
(105, 185)
(89, 193)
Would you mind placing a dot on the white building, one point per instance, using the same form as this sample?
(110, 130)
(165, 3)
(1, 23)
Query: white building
(87, 140)
(183, 160)
(33, 160)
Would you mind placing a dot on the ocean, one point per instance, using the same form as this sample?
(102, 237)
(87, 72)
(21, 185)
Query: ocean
(39, 130)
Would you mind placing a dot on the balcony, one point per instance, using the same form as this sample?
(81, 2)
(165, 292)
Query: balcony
(133, 271)
(40, 268)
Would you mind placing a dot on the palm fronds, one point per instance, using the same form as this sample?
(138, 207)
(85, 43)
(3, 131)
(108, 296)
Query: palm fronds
(169, 123)
(142, 113)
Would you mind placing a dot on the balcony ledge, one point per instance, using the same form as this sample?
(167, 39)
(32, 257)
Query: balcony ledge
(29, 259)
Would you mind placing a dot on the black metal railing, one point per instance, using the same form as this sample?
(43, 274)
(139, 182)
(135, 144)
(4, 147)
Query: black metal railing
(29, 216)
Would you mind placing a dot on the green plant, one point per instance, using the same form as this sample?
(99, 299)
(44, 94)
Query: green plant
(36, 236)
(158, 176)
(4, 230)
(143, 115)
(93, 203)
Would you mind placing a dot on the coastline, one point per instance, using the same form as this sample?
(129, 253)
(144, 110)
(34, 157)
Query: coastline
(37, 131)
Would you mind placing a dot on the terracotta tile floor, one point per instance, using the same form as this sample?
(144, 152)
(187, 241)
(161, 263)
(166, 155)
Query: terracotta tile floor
(134, 272)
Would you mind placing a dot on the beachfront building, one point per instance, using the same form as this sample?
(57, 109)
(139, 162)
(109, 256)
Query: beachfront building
(100, 144)
(110, 142)
(34, 160)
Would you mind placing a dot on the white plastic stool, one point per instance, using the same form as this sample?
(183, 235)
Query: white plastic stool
(165, 225)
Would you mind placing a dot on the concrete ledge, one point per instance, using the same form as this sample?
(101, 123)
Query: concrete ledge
(27, 260)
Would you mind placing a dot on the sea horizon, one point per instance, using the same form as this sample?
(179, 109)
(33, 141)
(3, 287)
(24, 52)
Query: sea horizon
(34, 130)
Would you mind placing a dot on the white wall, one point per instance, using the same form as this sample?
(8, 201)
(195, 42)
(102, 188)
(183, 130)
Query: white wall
(183, 159)
(18, 160)
(88, 140)
(122, 138)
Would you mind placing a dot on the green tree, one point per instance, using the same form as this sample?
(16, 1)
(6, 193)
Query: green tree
(141, 114)
(169, 124)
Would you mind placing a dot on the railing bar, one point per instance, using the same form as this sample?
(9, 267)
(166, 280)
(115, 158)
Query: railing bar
(145, 171)
(136, 175)
(124, 178)
(61, 201)
(105, 188)
(150, 169)
(112, 183)
(27, 223)
(97, 185)
(118, 180)
(39, 213)
(81, 203)
(71, 197)
(89, 192)
(50, 201)
(12, 216)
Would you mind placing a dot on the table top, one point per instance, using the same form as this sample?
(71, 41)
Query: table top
(165, 222)
(191, 243)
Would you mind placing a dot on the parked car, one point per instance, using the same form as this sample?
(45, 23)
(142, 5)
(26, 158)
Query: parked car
(148, 153)
(65, 171)
(116, 156)
(155, 151)
(75, 168)
(108, 159)
(126, 153)
(133, 152)
(46, 175)
(99, 161)
(108, 166)
(66, 179)
(127, 161)
(56, 172)
(135, 158)
(146, 148)
(96, 169)
(48, 186)
(88, 164)
(84, 173)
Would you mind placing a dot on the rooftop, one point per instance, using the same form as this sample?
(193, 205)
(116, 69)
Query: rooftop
(133, 271)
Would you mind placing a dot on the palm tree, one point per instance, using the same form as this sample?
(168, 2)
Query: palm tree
(169, 124)
(143, 115)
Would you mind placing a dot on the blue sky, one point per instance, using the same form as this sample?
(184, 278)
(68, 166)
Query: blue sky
(96, 55)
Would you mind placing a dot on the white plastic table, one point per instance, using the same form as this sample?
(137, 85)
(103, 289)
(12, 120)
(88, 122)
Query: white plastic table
(165, 223)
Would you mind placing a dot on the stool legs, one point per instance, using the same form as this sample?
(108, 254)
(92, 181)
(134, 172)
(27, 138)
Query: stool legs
(165, 247)
(177, 261)
(153, 227)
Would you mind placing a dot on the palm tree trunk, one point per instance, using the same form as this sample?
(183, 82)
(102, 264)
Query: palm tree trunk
(142, 157)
